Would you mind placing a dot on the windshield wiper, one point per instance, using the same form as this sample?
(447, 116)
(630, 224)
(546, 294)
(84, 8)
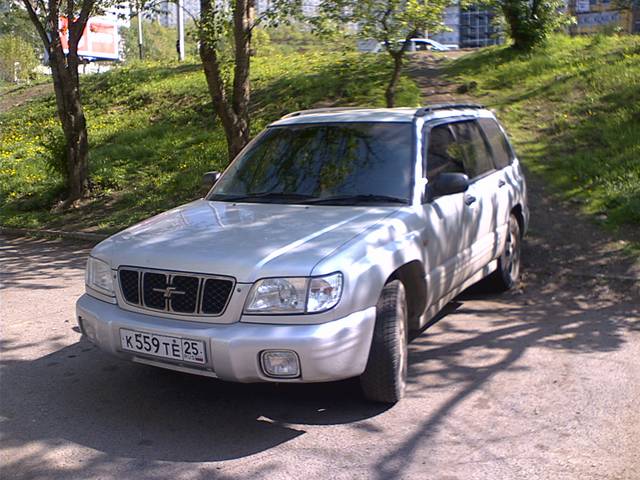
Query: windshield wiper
(349, 199)
(261, 195)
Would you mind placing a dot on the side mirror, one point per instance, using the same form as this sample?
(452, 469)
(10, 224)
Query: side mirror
(209, 179)
(447, 184)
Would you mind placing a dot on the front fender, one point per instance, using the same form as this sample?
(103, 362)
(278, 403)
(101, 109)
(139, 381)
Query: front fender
(368, 260)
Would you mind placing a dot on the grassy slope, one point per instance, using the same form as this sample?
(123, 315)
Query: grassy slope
(152, 134)
(573, 109)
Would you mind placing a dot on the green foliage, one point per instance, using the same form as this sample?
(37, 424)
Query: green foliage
(573, 108)
(16, 50)
(261, 42)
(530, 23)
(158, 42)
(14, 21)
(55, 153)
(390, 22)
(153, 133)
(386, 21)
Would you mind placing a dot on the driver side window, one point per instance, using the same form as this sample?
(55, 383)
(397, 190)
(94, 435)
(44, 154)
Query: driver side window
(443, 153)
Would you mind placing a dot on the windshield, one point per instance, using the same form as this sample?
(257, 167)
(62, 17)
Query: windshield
(319, 163)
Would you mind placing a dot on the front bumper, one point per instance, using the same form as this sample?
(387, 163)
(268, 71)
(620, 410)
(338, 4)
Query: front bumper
(329, 351)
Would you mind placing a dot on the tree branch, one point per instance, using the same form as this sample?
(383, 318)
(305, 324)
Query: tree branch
(36, 22)
(77, 27)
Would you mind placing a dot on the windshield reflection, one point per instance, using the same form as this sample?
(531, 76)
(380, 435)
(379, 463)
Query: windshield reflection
(296, 163)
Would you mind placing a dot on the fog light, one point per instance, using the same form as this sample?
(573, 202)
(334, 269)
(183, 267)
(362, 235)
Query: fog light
(280, 363)
(87, 329)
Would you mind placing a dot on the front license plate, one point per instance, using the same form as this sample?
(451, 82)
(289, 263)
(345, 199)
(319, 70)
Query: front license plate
(174, 348)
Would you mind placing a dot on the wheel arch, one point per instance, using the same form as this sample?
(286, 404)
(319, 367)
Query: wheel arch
(517, 211)
(412, 276)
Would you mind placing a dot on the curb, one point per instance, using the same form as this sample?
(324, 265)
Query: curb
(33, 232)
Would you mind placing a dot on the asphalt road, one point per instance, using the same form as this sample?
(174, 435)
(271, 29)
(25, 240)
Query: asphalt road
(540, 383)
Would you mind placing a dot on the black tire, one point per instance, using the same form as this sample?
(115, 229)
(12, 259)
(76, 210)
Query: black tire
(385, 377)
(508, 271)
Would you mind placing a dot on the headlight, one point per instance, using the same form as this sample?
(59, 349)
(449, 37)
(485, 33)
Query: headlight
(294, 295)
(98, 276)
(278, 295)
(324, 292)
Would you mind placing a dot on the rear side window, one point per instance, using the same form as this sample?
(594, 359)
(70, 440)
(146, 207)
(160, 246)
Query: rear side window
(477, 157)
(443, 153)
(499, 145)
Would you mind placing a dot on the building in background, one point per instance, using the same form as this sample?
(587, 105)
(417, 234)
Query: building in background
(452, 22)
(472, 26)
(593, 16)
(166, 12)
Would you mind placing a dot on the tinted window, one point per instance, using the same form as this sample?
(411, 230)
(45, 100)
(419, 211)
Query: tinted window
(443, 153)
(324, 160)
(499, 145)
(477, 157)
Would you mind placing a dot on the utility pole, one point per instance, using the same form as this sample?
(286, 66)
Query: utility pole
(140, 30)
(180, 8)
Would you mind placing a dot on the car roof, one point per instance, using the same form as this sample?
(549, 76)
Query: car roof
(386, 115)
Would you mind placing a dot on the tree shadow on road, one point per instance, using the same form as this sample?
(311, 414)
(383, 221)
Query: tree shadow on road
(122, 410)
(40, 263)
(143, 418)
(543, 319)
(146, 415)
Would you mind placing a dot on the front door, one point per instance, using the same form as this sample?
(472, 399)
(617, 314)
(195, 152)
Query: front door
(481, 199)
(444, 234)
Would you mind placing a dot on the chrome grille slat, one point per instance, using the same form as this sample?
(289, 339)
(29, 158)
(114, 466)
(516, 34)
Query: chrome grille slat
(175, 292)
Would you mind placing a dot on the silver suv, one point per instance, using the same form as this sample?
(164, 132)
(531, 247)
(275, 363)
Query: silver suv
(332, 235)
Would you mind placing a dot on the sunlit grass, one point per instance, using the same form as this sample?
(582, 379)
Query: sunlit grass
(153, 133)
(573, 109)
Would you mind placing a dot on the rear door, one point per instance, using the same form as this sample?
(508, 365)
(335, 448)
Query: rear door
(505, 180)
(480, 200)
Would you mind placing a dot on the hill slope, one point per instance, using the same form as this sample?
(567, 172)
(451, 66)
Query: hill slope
(153, 132)
(573, 109)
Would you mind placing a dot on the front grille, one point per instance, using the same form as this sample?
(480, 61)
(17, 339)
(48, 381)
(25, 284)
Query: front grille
(175, 292)
(214, 295)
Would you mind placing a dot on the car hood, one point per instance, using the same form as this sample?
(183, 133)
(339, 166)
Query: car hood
(242, 240)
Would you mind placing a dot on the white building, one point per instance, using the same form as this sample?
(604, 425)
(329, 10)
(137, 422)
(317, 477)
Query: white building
(469, 27)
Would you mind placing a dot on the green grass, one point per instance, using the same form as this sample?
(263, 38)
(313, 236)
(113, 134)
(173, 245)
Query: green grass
(573, 109)
(153, 132)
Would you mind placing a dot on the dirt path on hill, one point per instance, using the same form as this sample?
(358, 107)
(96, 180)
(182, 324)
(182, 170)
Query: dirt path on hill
(19, 95)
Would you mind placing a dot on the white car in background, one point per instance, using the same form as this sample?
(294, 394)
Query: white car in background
(415, 45)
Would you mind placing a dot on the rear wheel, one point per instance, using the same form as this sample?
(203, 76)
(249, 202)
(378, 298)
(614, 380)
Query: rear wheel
(385, 377)
(508, 271)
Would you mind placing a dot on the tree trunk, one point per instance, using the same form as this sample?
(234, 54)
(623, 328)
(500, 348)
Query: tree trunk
(518, 15)
(390, 93)
(66, 84)
(233, 112)
(243, 24)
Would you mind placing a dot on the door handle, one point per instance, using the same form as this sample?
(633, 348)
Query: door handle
(469, 199)
(501, 183)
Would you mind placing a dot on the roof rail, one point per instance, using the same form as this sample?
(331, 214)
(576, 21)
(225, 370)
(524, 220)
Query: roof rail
(421, 112)
(323, 110)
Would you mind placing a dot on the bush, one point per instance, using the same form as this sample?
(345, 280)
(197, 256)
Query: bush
(530, 23)
(16, 51)
(55, 152)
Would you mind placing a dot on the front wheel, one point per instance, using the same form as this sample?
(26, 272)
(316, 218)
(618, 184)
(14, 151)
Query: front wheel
(385, 377)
